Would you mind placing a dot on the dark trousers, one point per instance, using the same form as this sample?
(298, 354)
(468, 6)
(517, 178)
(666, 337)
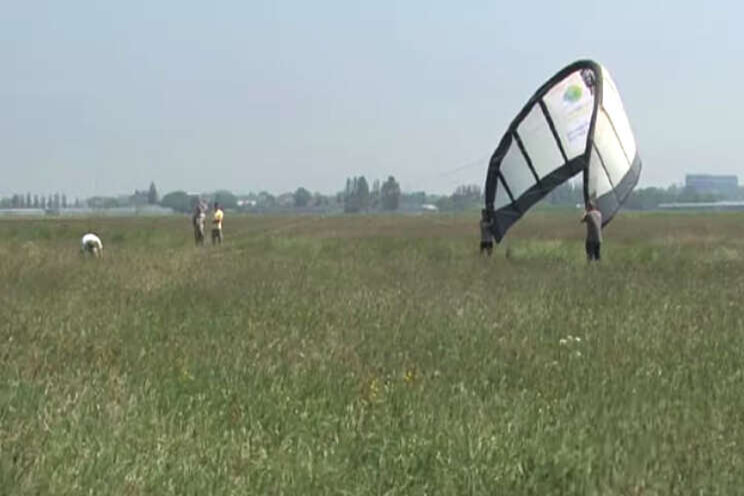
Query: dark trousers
(486, 246)
(217, 236)
(592, 250)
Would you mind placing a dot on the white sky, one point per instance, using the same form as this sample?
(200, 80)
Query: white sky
(275, 94)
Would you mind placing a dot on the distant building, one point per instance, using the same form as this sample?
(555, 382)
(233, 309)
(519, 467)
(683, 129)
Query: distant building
(712, 184)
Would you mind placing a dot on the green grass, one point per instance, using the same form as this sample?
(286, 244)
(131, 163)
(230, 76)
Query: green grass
(372, 355)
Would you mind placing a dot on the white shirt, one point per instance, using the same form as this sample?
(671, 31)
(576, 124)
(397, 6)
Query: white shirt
(91, 239)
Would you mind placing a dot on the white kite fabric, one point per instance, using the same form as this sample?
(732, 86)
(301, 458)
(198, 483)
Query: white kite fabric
(574, 123)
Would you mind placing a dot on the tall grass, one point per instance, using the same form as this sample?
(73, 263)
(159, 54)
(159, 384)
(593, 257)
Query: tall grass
(372, 355)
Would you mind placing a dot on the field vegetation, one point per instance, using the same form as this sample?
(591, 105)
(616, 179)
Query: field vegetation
(358, 355)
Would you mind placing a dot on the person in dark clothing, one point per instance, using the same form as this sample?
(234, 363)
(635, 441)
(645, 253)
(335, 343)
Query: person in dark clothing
(486, 244)
(593, 220)
(198, 219)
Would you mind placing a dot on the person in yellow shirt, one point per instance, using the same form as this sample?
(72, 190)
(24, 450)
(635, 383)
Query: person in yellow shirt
(217, 224)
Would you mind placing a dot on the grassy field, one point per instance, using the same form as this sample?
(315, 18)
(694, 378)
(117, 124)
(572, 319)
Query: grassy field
(372, 355)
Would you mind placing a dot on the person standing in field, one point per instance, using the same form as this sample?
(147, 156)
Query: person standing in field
(198, 220)
(91, 245)
(593, 220)
(217, 224)
(486, 235)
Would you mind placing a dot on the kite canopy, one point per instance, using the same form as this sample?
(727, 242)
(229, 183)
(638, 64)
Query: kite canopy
(574, 123)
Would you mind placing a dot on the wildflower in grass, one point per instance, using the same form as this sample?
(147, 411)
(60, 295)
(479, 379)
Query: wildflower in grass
(410, 376)
(373, 390)
(186, 375)
(568, 340)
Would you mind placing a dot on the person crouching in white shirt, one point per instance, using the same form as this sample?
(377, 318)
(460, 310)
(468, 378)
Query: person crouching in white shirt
(91, 245)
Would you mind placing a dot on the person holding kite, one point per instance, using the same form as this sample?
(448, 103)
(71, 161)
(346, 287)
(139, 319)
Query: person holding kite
(486, 244)
(593, 220)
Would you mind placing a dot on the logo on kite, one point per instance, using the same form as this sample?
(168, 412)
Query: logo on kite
(572, 94)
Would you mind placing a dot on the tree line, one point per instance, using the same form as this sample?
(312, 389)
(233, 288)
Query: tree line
(644, 198)
(58, 201)
(357, 196)
(54, 201)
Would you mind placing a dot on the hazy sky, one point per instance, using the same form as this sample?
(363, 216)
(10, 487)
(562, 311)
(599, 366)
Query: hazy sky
(249, 95)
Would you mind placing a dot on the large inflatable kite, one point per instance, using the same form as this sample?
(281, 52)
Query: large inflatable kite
(575, 123)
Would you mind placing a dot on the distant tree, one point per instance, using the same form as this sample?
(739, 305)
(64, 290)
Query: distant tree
(390, 194)
(445, 203)
(375, 194)
(265, 200)
(99, 202)
(351, 205)
(320, 200)
(647, 198)
(180, 201)
(651, 198)
(78, 203)
(36, 201)
(226, 199)
(43, 202)
(28, 200)
(64, 200)
(414, 198)
(152, 195)
(466, 196)
(468, 191)
(356, 195)
(363, 192)
(56, 201)
(566, 194)
(138, 198)
(349, 196)
(302, 197)
(690, 195)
